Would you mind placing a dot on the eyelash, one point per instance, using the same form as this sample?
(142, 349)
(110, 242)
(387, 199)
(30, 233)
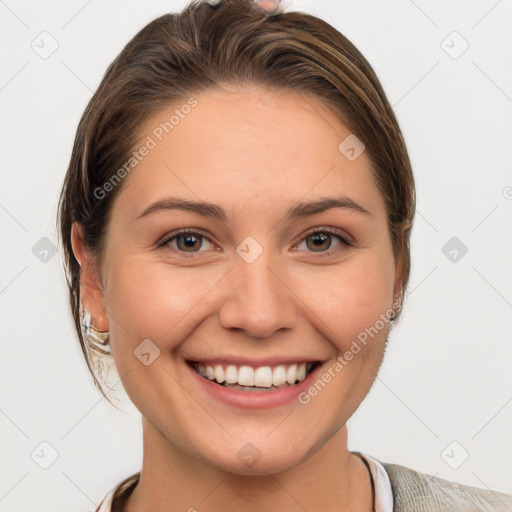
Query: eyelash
(202, 234)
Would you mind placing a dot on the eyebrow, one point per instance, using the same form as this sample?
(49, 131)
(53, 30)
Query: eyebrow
(300, 210)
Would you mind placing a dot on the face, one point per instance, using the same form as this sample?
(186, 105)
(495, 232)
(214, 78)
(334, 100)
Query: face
(251, 284)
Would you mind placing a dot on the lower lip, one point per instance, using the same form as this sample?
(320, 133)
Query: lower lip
(255, 399)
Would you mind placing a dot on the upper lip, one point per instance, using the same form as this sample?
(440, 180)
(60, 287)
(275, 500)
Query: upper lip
(240, 361)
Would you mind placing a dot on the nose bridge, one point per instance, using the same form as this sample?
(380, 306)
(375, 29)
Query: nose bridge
(257, 299)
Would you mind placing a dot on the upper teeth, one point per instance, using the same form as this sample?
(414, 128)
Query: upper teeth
(262, 376)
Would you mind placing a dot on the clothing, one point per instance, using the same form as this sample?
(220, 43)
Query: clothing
(418, 492)
(381, 484)
(395, 488)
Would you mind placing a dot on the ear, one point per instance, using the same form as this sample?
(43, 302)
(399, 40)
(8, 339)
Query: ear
(399, 270)
(91, 288)
(397, 288)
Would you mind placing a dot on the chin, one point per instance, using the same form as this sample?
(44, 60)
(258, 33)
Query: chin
(277, 463)
(259, 456)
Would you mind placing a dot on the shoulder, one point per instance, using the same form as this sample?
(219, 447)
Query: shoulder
(418, 492)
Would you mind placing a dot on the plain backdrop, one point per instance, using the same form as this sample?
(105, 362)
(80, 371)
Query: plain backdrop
(444, 393)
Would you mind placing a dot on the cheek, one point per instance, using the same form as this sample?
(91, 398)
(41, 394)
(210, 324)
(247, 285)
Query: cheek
(149, 299)
(351, 299)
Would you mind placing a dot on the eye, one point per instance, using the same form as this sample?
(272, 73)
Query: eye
(321, 240)
(186, 241)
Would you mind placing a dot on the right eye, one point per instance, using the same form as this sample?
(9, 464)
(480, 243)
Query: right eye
(185, 241)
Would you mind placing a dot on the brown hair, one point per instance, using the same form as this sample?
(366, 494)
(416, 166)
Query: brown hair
(177, 55)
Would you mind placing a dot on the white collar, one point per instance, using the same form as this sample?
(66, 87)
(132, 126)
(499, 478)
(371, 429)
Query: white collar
(382, 484)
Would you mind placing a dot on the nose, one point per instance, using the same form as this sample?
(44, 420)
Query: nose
(257, 299)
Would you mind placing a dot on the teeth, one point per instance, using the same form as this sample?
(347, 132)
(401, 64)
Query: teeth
(291, 374)
(261, 377)
(246, 376)
(218, 373)
(279, 375)
(231, 374)
(301, 372)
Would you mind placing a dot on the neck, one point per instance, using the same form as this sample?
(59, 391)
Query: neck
(332, 480)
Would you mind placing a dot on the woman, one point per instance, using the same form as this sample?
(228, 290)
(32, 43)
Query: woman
(236, 219)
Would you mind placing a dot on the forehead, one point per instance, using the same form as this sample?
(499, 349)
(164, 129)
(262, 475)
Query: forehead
(255, 149)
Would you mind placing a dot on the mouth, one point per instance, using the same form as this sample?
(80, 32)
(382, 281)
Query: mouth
(248, 377)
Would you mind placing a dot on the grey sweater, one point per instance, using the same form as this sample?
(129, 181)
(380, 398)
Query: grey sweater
(417, 492)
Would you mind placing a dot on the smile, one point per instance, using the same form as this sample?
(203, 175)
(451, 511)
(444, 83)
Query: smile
(250, 378)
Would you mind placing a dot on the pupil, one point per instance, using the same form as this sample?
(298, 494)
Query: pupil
(320, 237)
(188, 241)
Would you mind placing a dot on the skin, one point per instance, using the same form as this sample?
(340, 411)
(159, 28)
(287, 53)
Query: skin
(256, 153)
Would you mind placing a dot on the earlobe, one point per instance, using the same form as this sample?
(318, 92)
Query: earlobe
(398, 283)
(397, 287)
(399, 266)
(91, 289)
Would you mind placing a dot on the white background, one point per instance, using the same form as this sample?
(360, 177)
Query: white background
(446, 376)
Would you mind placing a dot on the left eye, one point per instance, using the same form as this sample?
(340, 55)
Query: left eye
(321, 238)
